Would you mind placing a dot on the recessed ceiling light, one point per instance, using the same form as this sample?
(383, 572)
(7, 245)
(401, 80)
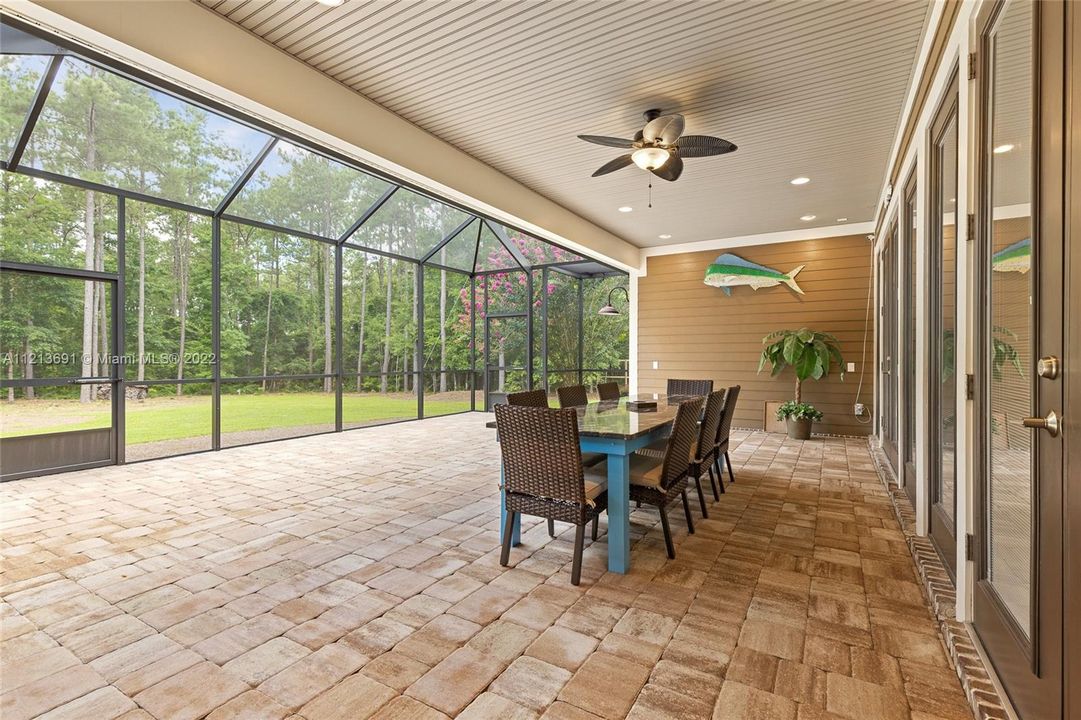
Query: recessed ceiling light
(800, 180)
(330, 3)
(665, 237)
(842, 219)
(806, 218)
(1003, 149)
(626, 208)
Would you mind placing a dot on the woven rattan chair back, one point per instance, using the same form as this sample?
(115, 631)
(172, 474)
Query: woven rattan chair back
(689, 388)
(711, 422)
(572, 396)
(540, 451)
(725, 427)
(529, 398)
(608, 391)
(679, 451)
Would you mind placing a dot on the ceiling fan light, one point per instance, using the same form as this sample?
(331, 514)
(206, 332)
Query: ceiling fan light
(650, 158)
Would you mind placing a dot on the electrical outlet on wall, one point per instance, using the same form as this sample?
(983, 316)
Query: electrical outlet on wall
(859, 409)
(656, 364)
(851, 367)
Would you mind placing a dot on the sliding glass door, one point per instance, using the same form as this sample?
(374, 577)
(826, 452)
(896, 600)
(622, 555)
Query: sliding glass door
(888, 354)
(1019, 554)
(909, 228)
(942, 368)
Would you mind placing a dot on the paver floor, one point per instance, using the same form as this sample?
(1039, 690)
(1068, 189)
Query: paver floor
(356, 575)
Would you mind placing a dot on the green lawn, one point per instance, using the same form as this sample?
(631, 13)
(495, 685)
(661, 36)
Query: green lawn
(172, 418)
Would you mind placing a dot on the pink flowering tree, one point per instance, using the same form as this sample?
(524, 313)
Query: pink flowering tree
(507, 291)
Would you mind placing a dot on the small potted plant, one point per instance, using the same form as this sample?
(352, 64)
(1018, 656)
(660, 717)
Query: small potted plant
(811, 355)
(798, 416)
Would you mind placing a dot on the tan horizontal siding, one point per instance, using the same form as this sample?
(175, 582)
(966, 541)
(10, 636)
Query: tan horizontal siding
(696, 331)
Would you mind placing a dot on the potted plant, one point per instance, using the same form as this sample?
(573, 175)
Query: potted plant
(811, 355)
(798, 416)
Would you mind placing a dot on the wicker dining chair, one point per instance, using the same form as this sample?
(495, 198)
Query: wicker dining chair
(723, 432)
(572, 396)
(608, 391)
(529, 398)
(543, 474)
(658, 482)
(705, 448)
(689, 388)
(709, 431)
(539, 399)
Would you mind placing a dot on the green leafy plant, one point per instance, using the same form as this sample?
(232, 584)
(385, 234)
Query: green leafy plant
(1002, 352)
(811, 354)
(798, 411)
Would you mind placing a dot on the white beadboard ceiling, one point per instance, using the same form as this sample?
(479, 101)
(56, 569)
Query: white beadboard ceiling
(810, 88)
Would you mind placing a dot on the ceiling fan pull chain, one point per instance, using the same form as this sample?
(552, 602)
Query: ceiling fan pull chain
(651, 192)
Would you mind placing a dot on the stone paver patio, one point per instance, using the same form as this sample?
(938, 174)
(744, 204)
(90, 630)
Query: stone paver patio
(356, 575)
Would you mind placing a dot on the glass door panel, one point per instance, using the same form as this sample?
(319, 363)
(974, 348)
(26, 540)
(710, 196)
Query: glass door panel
(888, 360)
(942, 376)
(1021, 611)
(505, 356)
(1008, 345)
(909, 227)
(945, 495)
(58, 372)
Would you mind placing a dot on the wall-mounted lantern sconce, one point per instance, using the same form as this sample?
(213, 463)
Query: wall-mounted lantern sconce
(610, 309)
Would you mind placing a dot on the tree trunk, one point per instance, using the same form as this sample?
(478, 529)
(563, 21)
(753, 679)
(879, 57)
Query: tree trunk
(416, 380)
(182, 268)
(101, 343)
(103, 310)
(29, 372)
(328, 312)
(502, 369)
(442, 330)
(141, 317)
(363, 318)
(266, 336)
(11, 376)
(386, 334)
(799, 390)
(269, 298)
(86, 391)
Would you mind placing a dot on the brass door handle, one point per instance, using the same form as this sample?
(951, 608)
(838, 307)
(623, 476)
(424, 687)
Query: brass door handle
(1051, 423)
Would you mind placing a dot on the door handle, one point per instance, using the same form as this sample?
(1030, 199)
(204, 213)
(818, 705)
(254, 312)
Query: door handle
(1051, 423)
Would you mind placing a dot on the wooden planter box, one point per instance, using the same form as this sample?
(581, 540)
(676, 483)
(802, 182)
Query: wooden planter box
(770, 423)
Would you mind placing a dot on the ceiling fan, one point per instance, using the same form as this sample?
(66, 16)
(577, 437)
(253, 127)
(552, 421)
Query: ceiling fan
(660, 146)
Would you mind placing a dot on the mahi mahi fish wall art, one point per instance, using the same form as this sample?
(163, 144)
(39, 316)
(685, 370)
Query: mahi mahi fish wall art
(729, 271)
(1013, 258)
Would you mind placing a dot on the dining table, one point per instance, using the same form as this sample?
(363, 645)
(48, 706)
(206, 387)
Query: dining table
(613, 428)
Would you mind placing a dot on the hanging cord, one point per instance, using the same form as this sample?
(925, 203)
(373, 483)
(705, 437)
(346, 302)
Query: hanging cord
(651, 191)
(866, 326)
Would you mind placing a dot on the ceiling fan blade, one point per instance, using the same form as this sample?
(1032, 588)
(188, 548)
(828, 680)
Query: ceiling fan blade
(612, 165)
(671, 170)
(665, 129)
(607, 141)
(703, 146)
